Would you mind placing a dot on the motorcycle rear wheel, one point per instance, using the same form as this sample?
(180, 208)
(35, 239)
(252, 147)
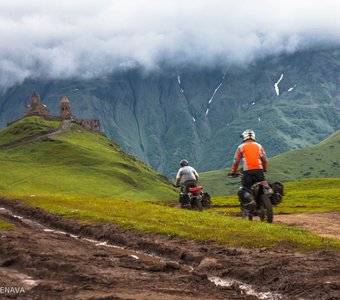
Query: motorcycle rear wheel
(196, 203)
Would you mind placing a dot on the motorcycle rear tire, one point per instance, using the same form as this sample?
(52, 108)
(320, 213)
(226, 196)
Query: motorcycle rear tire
(197, 203)
(268, 208)
(185, 201)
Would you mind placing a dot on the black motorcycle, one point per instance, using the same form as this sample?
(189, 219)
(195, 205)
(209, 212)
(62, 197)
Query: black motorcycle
(259, 199)
(195, 199)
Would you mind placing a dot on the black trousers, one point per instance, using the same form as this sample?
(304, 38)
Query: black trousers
(188, 184)
(252, 176)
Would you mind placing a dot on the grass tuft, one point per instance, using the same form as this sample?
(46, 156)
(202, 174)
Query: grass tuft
(5, 226)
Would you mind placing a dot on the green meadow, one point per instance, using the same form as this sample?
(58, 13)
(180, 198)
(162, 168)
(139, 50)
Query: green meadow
(209, 225)
(84, 176)
(307, 195)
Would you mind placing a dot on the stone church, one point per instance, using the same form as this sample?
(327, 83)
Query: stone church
(36, 108)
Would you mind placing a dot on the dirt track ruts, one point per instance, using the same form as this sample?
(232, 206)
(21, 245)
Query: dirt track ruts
(63, 267)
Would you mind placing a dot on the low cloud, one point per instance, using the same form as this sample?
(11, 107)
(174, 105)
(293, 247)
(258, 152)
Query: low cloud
(83, 38)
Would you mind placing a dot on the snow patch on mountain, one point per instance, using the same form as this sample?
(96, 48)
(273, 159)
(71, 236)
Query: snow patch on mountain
(179, 83)
(276, 85)
(292, 88)
(214, 93)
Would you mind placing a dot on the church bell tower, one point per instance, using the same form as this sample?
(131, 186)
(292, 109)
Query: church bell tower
(65, 109)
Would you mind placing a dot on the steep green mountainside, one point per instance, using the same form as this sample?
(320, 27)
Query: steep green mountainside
(73, 162)
(319, 161)
(291, 101)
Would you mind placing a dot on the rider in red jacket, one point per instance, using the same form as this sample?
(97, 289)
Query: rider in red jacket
(254, 159)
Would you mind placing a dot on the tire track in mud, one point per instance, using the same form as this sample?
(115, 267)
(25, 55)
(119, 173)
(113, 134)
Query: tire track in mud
(68, 265)
(309, 275)
(151, 277)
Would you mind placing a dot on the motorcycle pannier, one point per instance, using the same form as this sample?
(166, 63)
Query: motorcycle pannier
(278, 192)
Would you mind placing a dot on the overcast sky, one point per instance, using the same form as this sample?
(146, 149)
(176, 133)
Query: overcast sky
(71, 38)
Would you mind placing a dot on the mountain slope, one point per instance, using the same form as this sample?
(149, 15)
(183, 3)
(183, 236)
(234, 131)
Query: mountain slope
(25, 128)
(291, 101)
(319, 161)
(74, 162)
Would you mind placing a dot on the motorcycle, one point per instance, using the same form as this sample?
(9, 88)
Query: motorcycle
(259, 199)
(195, 199)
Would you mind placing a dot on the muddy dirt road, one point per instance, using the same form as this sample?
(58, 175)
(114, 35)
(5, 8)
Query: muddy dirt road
(59, 259)
(53, 265)
(323, 224)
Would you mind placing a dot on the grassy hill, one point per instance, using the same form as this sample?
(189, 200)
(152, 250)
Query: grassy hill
(75, 162)
(84, 176)
(26, 127)
(319, 161)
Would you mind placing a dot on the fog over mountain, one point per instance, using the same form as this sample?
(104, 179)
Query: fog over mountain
(86, 39)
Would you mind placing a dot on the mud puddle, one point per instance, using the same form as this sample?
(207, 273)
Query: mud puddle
(100, 261)
(245, 288)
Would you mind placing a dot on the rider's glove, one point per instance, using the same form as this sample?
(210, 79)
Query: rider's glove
(265, 170)
(231, 174)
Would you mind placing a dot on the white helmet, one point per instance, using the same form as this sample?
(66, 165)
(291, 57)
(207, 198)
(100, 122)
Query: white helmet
(184, 163)
(248, 135)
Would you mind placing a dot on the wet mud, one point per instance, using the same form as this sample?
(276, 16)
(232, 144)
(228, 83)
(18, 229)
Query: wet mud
(54, 258)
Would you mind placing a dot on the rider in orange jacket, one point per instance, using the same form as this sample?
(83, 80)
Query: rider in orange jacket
(254, 160)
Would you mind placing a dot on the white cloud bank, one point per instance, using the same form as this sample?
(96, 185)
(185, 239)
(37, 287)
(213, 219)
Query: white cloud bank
(83, 38)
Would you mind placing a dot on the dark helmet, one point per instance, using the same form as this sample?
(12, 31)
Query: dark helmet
(248, 135)
(184, 162)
